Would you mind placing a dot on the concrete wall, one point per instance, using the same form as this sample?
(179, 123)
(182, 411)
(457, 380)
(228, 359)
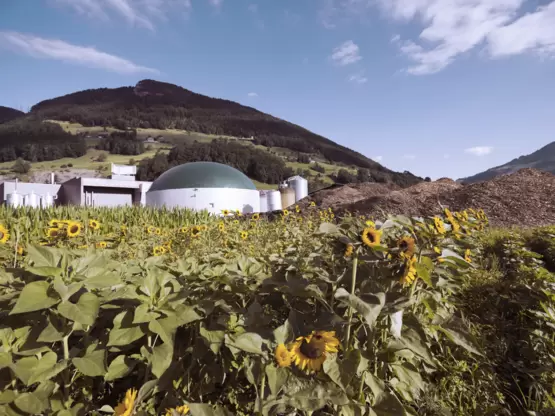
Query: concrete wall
(72, 192)
(108, 197)
(212, 199)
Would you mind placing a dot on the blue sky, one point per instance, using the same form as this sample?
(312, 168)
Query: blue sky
(437, 87)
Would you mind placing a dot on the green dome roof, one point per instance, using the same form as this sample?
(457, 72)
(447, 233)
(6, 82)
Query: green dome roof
(202, 175)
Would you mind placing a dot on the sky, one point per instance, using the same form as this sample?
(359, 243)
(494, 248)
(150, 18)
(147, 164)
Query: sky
(436, 87)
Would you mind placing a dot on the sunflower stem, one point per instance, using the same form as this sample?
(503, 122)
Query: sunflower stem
(353, 286)
(261, 392)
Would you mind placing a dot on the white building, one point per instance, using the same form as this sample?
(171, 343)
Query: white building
(204, 186)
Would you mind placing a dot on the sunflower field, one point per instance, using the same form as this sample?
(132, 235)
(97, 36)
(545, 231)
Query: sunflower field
(136, 311)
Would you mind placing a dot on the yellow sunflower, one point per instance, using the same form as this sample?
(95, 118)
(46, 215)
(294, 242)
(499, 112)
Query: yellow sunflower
(244, 235)
(53, 232)
(221, 226)
(184, 230)
(226, 212)
(448, 213)
(256, 216)
(94, 224)
(20, 250)
(238, 213)
(309, 353)
(455, 226)
(73, 229)
(55, 223)
(179, 410)
(158, 231)
(297, 208)
(437, 250)
(195, 232)
(349, 250)
(235, 222)
(285, 213)
(371, 237)
(4, 235)
(439, 226)
(156, 251)
(467, 257)
(406, 245)
(150, 229)
(102, 244)
(370, 223)
(283, 356)
(125, 408)
(313, 204)
(409, 271)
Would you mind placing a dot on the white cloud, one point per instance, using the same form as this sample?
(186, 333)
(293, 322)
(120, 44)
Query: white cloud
(452, 28)
(346, 54)
(252, 94)
(216, 3)
(358, 78)
(377, 158)
(66, 52)
(479, 150)
(409, 157)
(140, 13)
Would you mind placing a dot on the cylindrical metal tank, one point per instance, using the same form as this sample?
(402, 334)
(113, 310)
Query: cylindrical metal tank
(300, 185)
(47, 201)
(287, 197)
(263, 201)
(31, 200)
(274, 201)
(14, 200)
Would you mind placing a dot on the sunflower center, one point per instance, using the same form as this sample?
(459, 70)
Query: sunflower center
(370, 237)
(1, 235)
(73, 229)
(404, 245)
(311, 350)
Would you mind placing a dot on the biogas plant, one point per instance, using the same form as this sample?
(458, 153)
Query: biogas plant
(197, 185)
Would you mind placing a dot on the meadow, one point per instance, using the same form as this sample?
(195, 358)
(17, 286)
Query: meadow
(135, 311)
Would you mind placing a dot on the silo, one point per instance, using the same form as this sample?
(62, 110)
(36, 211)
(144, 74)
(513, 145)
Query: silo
(274, 201)
(31, 200)
(47, 201)
(14, 199)
(300, 185)
(287, 197)
(263, 201)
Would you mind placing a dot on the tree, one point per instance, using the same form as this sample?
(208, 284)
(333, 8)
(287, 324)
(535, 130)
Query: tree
(102, 157)
(21, 166)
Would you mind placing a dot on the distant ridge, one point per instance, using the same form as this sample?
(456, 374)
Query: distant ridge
(9, 114)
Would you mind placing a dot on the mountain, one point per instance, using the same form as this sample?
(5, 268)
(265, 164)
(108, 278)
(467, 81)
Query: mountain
(8, 114)
(542, 159)
(159, 105)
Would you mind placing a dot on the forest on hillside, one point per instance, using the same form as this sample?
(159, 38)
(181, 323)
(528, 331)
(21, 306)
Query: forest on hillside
(36, 141)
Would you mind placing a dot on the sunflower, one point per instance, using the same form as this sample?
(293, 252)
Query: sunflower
(455, 226)
(297, 208)
(283, 356)
(255, 217)
(20, 250)
(409, 271)
(235, 222)
(285, 213)
(349, 250)
(467, 255)
(309, 353)
(447, 213)
(221, 226)
(179, 410)
(195, 231)
(55, 223)
(371, 237)
(150, 229)
(226, 212)
(244, 235)
(184, 230)
(4, 234)
(238, 213)
(156, 251)
(313, 204)
(123, 230)
(370, 223)
(125, 408)
(73, 229)
(406, 245)
(94, 224)
(53, 232)
(102, 244)
(439, 226)
(158, 231)
(437, 250)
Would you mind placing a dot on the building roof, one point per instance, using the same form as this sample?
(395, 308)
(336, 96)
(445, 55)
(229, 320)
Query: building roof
(202, 175)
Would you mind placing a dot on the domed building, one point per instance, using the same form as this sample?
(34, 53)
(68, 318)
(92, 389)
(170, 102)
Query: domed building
(204, 186)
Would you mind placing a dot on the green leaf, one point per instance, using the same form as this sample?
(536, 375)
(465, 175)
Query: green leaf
(409, 379)
(45, 271)
(284, 333)
(42, 256)
(328, 228)
(146, 390)
(92, 364)
(124, 336)
(5, 359)
(248, 342)
(369, 309)
(461, 339)
(412, 341)
(342, 372)
(186, 314)
(387, 404)
(277, 377)
(47, 368)
(161, 359)
(34, 297)
(85, 311)
(143, 315)
(7, 396)
(50, 333)
(215, 339)
(102, 281)
(24, 368)
(201, 409)
(120, 367)
(31, 403)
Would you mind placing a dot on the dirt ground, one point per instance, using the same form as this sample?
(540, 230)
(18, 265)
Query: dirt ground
(525, 198)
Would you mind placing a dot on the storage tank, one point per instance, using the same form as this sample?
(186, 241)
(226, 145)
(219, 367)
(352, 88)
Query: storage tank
(287, 197)
(47, 201)
(274, 201)
(300, 185)
(263, 201)
(31, 200)
(14, 200)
